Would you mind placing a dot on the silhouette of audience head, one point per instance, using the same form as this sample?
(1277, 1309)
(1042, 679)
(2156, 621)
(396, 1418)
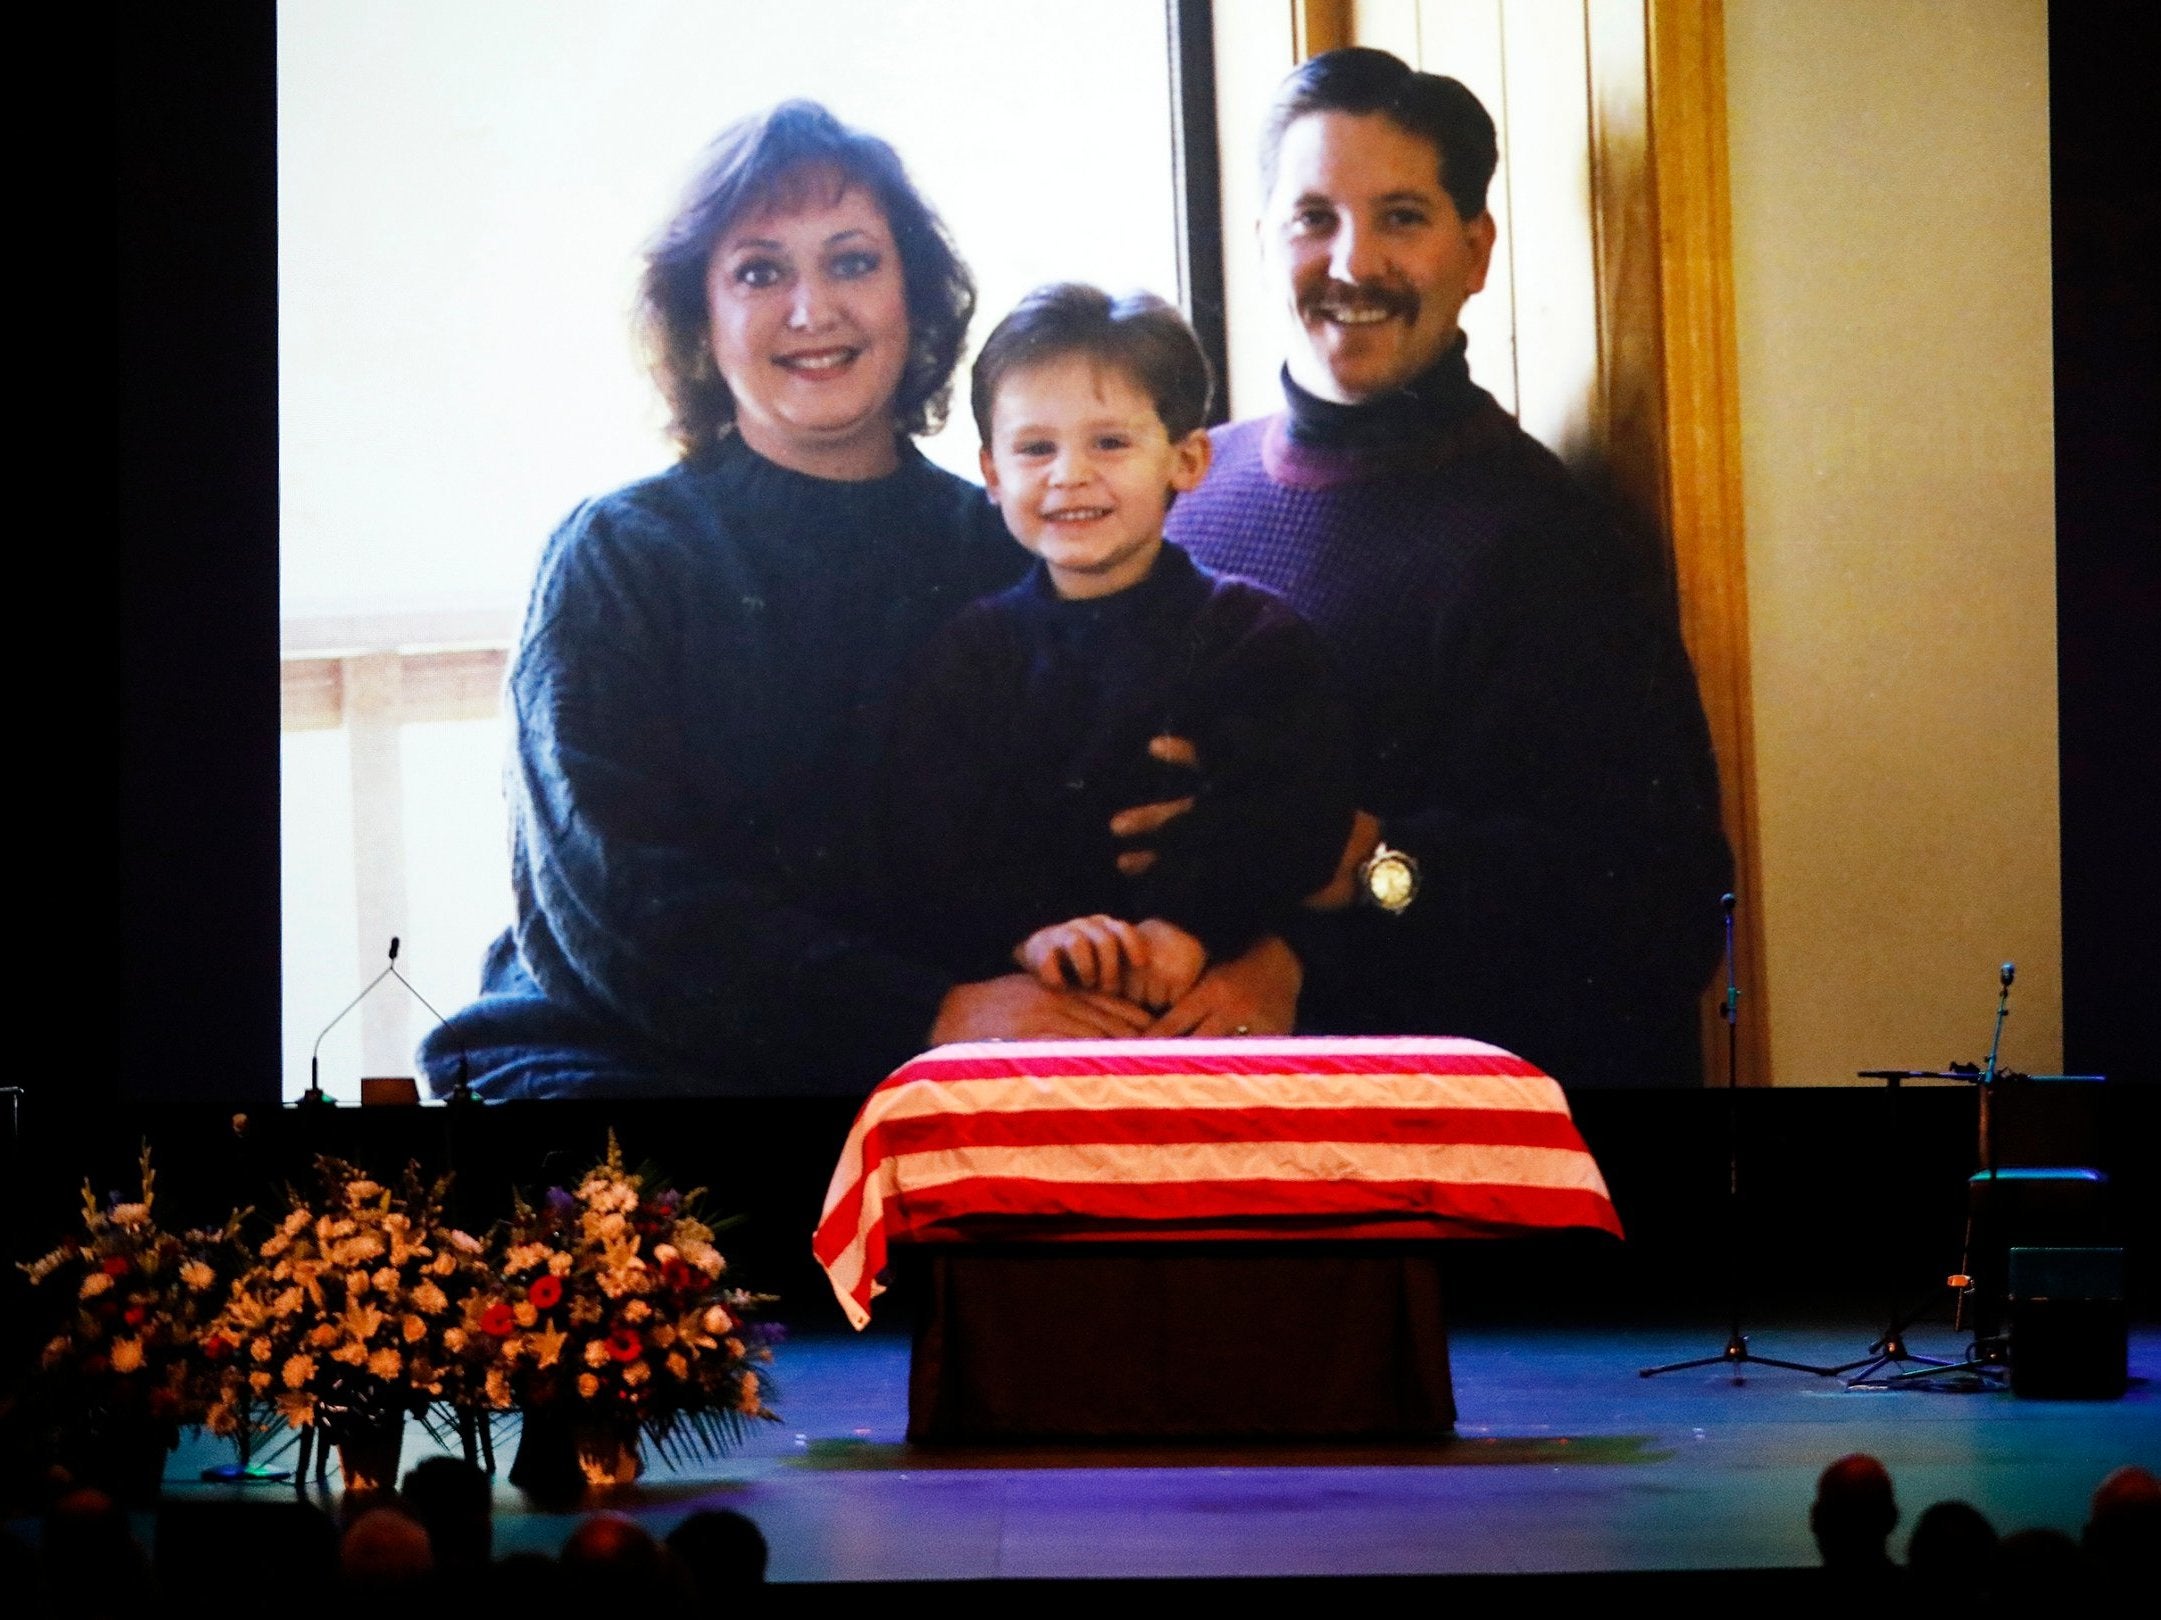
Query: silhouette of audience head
(385, 1549)
(721, 1551)
(611, 1560)
(455, 1503)
(92, 1561)
(2123, 1524)
(1951, 1550)
(1853, 1514)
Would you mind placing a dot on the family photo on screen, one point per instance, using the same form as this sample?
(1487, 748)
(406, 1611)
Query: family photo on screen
(1359, 717)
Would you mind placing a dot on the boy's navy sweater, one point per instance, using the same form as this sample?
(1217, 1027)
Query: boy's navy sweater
(1028, 729)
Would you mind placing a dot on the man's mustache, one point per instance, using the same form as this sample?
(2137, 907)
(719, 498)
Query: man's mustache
(1335, 297)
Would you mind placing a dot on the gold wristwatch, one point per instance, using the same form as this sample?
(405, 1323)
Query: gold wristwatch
(1388, 880)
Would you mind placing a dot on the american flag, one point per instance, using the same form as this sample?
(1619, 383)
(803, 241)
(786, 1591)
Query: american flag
(1397, 1137)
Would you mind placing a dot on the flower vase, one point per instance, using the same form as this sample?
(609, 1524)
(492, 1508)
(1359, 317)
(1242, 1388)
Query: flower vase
(607, 1452)
(546, 1464)
(368, 1455)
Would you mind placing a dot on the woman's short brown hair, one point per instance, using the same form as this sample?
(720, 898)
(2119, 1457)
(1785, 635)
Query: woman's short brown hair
(771, 161)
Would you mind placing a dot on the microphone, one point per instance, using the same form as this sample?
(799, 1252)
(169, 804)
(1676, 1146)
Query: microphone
(1725, 904)
(2006, 973)
(313, 1096)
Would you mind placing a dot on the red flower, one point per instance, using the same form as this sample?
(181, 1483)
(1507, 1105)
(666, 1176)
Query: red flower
(679, 1276)
(545, 1293)
(116, 1265)
(497, 1322)
(134, 1315)
(93, 1365)
(217, 1348)
(623, 1345)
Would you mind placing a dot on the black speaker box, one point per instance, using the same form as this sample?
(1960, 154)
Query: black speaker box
(2070, 1332)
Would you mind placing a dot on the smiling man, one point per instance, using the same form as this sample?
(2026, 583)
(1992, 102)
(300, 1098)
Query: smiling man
(1538, 860)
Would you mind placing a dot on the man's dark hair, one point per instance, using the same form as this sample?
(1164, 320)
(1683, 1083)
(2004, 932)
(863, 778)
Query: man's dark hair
(1139, 334)
(1362, 81)
(781, 159)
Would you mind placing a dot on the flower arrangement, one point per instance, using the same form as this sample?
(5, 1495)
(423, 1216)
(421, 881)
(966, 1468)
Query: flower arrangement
(611, 1310)
(603, 1310)
(352, 1315)
(121, 1372)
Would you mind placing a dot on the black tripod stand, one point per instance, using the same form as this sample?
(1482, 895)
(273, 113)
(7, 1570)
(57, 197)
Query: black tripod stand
(1736, 1354)
(1890, 1350)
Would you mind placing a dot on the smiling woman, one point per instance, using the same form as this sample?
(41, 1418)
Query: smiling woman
(811, 307)
(460, 217)
(808, 316)
(699, 693)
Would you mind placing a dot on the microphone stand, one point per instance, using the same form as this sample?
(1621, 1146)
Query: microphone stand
(314, 1096)
(1988, 1357)
(1736, 1353)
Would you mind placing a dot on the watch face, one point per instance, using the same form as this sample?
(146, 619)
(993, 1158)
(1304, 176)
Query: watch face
(1391, 882)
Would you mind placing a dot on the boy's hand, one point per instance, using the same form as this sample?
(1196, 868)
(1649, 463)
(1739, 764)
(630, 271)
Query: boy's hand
(1174, 962)
(1088, 953)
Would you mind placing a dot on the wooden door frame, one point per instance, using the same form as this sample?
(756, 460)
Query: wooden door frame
(1664, 405)
(1670, 397)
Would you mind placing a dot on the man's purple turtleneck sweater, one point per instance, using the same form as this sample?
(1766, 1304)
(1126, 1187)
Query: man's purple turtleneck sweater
(1529, 727)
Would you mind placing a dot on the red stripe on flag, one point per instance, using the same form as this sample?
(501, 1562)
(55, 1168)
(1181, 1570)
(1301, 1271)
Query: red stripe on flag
(1067, 1061)
(982, 1201)
(1037, 1127)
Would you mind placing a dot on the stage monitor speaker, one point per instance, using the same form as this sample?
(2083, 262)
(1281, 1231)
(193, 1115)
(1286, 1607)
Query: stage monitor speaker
(2070, 1332)
(2029, 1206)
(389, 1090)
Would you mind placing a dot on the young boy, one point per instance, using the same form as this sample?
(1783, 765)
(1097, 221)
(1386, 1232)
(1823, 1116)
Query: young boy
(1036, 715)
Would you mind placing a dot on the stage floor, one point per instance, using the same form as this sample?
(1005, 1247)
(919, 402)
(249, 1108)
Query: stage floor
(1565, 1460)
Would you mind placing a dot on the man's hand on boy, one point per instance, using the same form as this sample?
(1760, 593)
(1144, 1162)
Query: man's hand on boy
(1146, 820)
(1253, 994)
(1088, 953)
(1014, 1007)
(1342, 889)
(1171, 967)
